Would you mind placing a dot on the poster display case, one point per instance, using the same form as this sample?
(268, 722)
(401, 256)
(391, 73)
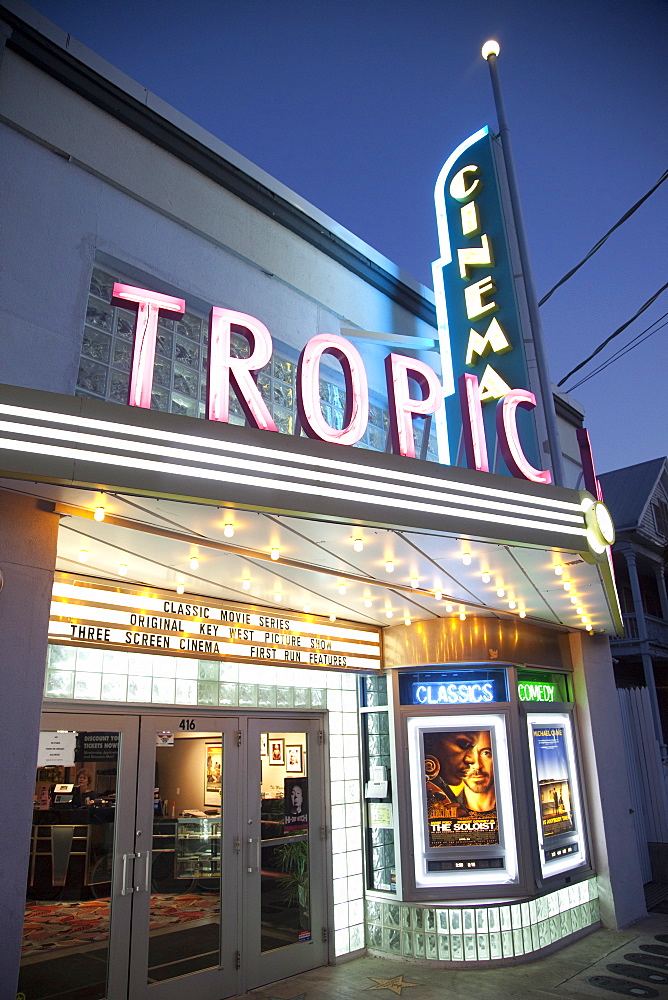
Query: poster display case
(556, 791)
(461, 801)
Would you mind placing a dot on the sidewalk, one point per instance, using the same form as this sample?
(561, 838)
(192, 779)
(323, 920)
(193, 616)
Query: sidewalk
(605, 964)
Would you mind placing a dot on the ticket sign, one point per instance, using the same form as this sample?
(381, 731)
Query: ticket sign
(161, 623)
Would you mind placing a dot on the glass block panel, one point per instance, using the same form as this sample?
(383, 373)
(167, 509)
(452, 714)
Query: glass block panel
(114, 687)
(96, 344)
(186, 380)
(101, 285)
(189, 326)
(59, 684)
(456, 948)
(184, 406)
(62, 657)
(284, 370)
(470, 952)
(122, 356)
(164, 690)
(431, 946)
(119, 386)
(283, 395)
(92, 377)
(495, 946)
(482, 943)
(444, 949)
(248, 694)
(87, 685)
(140, 689)
(284, 420)
(356, 937)
(207, 692)
(375, 936)
(159, 399)
(507, 944)
(125, 324)
(186, 693)
(99, 315)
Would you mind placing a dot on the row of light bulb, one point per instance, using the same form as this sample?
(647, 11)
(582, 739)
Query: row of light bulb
(358, 546)
(574, 599)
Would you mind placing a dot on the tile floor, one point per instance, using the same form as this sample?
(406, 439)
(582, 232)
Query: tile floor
(639, 961)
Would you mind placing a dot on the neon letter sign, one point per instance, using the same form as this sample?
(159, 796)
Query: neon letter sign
(509, 440)
(402, 404)
(223, 368)
(356, 416)
(149, 305)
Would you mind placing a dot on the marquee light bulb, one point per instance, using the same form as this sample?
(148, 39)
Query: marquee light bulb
(122, 569)
(486, 577)
(83, 555)
(579, 610)
(367, 602)
(194, 562)
(180, 589)
(228, 530)
(278, 596)
(358, 545)
(566, 585)
(307, 608)
(462, 616)
(448, 606)
(500, 592)
(245, 583)
(414, 582)
(275, 554)
(512, 605)
(332, 618)
(407, 620)
(490, 48)
(558, 570)
(466, 558)
(342, 589)
(523, 613)
(438, 595)
(99, 514)
(389, 566)
(388, 612)
(589, 627)
(574, 599)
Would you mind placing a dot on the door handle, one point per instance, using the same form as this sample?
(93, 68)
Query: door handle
(147, 872)
(126, 889)
(253, 847)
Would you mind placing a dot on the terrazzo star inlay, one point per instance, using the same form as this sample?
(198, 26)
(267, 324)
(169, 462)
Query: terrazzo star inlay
(396, 985)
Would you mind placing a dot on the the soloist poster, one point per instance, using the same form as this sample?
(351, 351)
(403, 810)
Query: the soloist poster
(461, 792)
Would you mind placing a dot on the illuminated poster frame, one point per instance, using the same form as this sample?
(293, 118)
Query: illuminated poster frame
(461, 862)
(556, 792)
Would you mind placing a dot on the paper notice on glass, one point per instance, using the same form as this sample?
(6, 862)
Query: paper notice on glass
(380, 815)
(56, 749)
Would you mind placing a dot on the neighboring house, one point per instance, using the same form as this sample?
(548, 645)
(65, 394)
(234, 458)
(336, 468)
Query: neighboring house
(637, 497)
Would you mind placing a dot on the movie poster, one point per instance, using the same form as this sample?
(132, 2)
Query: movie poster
(295, 792)
(553, 776)
(461, 792)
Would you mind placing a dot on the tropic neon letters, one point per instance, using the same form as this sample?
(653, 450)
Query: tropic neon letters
(224, 370)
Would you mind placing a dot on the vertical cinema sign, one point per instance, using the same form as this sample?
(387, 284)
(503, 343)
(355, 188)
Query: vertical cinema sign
(490, 408)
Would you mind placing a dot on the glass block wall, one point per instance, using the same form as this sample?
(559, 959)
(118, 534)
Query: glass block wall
(375, 723)
(179, 373)
(119, 677)
(480, 933)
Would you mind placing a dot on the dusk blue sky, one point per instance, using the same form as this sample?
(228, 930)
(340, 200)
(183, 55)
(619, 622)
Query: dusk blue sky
(355, 104)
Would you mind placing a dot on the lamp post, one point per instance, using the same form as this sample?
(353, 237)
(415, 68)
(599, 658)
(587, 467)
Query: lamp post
(490, 51)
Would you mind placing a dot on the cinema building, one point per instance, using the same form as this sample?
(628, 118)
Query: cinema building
(304, 651)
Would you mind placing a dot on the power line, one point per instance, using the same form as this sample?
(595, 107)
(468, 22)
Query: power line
(632, 344)
(616, 333)
(597, 246)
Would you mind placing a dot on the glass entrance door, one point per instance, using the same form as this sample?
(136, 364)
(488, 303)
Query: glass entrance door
(77, 917)
(285, 839)
(175, 854)
(186, 899)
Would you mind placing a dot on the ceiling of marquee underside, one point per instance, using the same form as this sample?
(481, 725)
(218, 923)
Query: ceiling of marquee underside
(435, 560)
